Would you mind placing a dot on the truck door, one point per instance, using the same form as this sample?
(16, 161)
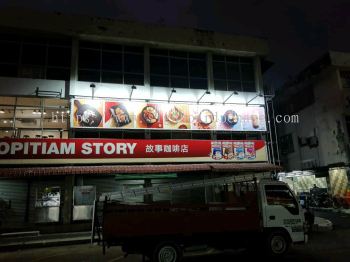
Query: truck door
(282, 211)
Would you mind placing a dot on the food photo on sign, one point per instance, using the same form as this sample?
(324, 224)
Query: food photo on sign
(149, 116)
(254, 119)
(119, 114)
(176, 116)
(87, 113)
(229, 118)
(202, 117)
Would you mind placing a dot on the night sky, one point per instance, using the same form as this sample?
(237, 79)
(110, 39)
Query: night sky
(299, 31)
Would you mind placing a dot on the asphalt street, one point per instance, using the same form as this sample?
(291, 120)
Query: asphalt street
(323, 246)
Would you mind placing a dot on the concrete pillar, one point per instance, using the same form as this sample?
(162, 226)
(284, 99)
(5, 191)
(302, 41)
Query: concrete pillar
(258, 75)
(210, 71)
(68, 199)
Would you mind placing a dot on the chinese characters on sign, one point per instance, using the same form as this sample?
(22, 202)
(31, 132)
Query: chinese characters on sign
(63, 151)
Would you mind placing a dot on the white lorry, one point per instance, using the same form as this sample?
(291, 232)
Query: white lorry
(263, 214)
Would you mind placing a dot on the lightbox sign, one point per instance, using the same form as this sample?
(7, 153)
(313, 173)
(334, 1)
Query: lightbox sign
(70, 151)
(137, 115)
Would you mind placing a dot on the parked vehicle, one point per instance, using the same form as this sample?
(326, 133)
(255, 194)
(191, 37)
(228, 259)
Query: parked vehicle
(319, 197)
(266, 216)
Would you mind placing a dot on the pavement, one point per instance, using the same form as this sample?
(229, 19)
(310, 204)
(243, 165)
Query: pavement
(18, 241)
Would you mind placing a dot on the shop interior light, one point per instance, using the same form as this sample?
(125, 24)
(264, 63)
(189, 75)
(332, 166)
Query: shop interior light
(35, 112)
(233, 93)
(171, 94)
(207, 92)
(2, 111)
(133, 87)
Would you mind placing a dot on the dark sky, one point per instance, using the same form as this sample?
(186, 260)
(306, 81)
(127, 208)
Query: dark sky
(299, 31)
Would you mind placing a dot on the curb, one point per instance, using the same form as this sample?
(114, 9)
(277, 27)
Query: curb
(43, 243)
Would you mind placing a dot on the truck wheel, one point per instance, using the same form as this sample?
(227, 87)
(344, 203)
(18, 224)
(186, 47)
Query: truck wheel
(167, 252)
(277, 244)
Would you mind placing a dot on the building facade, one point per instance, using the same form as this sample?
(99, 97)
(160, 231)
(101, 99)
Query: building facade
(319, 97)
(92, 79)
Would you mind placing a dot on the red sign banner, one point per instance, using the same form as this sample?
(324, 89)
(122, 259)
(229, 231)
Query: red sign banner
(67, 151)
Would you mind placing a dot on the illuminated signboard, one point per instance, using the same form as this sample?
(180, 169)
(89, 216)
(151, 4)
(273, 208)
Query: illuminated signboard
(67, 151)
(137, 115)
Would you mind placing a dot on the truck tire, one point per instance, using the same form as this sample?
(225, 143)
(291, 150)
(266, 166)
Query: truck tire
(277, 244)
(167, 252)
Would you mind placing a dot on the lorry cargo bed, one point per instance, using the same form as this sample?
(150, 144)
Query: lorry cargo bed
(125, 221)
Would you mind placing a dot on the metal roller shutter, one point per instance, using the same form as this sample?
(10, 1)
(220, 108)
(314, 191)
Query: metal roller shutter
(16, 192)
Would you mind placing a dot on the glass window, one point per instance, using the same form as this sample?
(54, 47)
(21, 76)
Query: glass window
(247, 72)
(6, 117)
(33, 54)
(59, 56)
(234, 85)
(219, 70)
(133, 63)
(198, 83)
(8, 70)
(159, 65)
(287, 145)
(220, 85)
(112, 61)
(9, 52)
(58, 74)
(281, 195)
(112, 77)
(233, 71)
(37, 59)
(133, 79)
(178, 69)
(160, 81)
(237, 72)
(89, 59)
(179, 82)
(89, 75)
(34, 117)
(198, 68)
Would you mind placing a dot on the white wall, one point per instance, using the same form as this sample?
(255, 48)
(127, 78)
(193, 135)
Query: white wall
(26, 86)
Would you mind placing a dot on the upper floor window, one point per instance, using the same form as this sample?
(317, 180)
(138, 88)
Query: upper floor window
(35, 57)
(178, 69)
(345, 78)
(233, 73)
(287, 145)
(111, 63)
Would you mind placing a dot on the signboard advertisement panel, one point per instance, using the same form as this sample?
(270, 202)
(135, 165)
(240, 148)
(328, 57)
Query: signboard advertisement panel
(137, 115)
(69, 151)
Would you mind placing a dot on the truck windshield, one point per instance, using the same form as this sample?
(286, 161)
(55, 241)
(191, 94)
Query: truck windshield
(281, 195)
